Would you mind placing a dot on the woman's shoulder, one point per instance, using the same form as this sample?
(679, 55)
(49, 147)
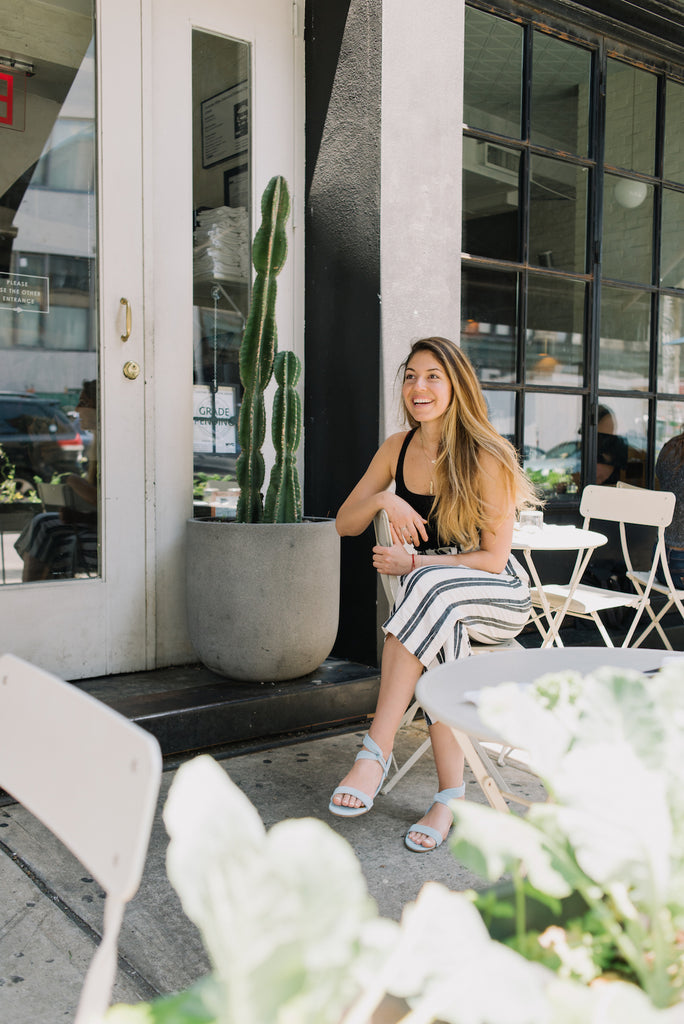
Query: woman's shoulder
(393, 444)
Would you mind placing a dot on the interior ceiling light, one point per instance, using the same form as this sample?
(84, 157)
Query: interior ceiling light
(16, 65)
(629, 193)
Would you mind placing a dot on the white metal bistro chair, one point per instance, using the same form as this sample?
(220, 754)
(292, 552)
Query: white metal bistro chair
(92, 778)
(390, 584)
(610, 504)
(668, 589)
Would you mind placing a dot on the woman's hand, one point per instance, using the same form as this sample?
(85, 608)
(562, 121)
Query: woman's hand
(409, 526)
(394, 560)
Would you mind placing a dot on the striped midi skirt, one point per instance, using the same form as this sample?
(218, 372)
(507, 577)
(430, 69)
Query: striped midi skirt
(439, 609)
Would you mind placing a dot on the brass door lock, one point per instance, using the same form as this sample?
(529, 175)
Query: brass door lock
(131, 370)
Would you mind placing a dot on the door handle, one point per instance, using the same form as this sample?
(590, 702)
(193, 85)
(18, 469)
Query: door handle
(127, 334)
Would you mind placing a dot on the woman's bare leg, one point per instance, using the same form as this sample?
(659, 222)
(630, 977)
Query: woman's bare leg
(449, 763)
(399, 674)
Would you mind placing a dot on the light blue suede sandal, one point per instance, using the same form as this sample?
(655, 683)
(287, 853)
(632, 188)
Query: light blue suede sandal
(371, 752)
(442, 797)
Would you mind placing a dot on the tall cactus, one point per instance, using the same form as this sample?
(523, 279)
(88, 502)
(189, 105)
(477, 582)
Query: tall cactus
(258, 348)
(283, 498)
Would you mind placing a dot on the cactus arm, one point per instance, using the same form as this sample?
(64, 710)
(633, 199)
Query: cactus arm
(283, 499)
(258, 346)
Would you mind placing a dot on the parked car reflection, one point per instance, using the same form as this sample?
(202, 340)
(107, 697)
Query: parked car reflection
(37, 438)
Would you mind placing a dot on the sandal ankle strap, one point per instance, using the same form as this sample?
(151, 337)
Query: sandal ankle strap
(445, 795)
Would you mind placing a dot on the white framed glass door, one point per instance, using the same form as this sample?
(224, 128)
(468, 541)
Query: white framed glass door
(72, 596)
(226, 101)
(99, 315)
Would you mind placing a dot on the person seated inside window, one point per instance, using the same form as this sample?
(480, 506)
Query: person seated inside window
(611, 449)
(64, 543)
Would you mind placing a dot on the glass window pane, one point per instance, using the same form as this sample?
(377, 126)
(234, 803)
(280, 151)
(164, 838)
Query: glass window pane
(627, 230)
(630, 117)
(501, 407)
(670, 344)
(48, 309)
(669, 422)
(674, 138)
(624, 341)
(561, 83)
(491, 220)
(621, 441)
(493, 73)
(553, 443)
(222, 132)
(554, 341)
(489, 306)
(672, 248)
(558, 215)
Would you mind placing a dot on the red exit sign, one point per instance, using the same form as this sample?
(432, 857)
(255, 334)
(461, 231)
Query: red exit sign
(12, 100)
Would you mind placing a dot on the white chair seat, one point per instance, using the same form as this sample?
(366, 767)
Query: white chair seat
(586, 599)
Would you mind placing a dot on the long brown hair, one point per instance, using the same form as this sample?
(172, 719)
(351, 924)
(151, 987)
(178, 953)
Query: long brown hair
(459, 510)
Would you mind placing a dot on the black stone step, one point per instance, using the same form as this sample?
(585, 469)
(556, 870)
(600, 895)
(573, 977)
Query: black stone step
(190, 708)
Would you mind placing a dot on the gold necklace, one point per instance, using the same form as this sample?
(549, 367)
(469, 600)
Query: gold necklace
(432, 462)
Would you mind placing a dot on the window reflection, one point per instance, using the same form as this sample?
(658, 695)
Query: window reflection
(627, 229)
(625, 334)
(670, 344)
(501, 408)
(558, 215)
(48, 306)
(622, 440)
(669, 422)
(491, 177)
(672, 244)
(630, 117)
(489, 316)
(493, 66)
(560, 95)
(221, 260)
(554, 343)
(553, 444)
(674, 119)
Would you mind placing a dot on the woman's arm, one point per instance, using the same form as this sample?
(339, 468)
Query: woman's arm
(495, 544)
(371, 494)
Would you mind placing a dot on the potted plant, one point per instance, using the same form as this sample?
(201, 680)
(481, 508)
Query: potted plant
(292, 935)
(263, 591)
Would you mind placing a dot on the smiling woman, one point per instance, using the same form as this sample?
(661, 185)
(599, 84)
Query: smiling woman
(457, 487)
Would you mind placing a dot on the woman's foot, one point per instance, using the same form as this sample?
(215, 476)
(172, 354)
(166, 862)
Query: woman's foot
(433, 828)
(358, 789)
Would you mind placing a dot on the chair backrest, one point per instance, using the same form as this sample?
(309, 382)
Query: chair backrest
(91, 777)
(383, 536)
(638, 506)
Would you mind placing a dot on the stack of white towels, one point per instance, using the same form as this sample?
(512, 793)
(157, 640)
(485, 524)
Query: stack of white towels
(221, 245)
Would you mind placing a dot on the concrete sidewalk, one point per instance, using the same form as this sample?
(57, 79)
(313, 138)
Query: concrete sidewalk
(52, 912)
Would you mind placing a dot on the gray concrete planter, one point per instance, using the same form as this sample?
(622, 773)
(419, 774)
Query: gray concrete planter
(262, 598)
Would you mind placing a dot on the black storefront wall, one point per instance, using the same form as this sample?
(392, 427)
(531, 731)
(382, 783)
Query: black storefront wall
(342, 285)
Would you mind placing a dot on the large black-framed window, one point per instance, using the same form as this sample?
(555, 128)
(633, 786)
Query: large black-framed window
(573, 246)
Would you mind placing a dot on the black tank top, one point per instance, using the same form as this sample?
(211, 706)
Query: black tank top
(422, 503)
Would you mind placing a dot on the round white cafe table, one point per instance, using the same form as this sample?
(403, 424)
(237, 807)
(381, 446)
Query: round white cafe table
(551, 537)
(449, 694)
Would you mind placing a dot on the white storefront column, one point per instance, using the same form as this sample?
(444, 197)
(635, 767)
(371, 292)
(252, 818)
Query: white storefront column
(422, 117)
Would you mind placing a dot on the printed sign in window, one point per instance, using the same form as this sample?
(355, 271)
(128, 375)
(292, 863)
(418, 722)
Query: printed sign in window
(25, 293)
(214, 419)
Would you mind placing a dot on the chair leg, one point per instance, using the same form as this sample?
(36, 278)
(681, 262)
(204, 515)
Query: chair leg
(602, 629)
(407, 766)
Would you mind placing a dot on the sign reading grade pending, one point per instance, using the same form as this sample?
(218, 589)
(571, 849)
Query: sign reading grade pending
(25, 293)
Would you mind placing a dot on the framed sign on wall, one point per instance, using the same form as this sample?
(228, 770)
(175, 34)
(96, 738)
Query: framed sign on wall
(225, 125)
